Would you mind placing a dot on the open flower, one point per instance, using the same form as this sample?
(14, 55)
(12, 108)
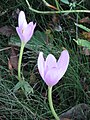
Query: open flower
(24, 30)
(51, 70)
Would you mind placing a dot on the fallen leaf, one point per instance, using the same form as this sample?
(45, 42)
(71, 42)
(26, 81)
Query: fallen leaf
(7, 31)
(55, 18)
(86, 35)
(9, 65)
(86, 51)
(32, 78)
(78, 112)
(85, 20)
(13, 59)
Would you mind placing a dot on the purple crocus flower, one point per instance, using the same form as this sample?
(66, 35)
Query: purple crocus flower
(24, 30)
(51, 70)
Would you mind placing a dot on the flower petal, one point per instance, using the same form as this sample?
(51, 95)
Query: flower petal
(41, 63)
(28, 31)
(50, 62)
(18, 29)
(63, 62)
(22, 19)
(52, 77)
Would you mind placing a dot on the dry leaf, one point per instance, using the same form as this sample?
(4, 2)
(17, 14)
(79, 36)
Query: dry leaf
(32, 78)
(85, 20)
(9, 65)
(55, 18)
(86, 35)
(14, 59)
(86, 51)
(7, 31)
(78, 112)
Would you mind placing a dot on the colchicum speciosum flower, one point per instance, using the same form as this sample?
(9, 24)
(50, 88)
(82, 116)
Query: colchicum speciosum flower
(51, 70)
(24, 30)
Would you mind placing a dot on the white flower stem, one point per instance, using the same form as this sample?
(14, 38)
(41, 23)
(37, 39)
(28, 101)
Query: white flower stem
(51, 103)
(20, 60)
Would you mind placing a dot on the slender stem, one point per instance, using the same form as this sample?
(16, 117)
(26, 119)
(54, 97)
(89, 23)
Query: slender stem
(51, 103)
(57, 4)
(58, 11)
(20, 61)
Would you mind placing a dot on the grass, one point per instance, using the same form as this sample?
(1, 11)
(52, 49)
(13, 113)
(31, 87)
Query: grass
(72, 89)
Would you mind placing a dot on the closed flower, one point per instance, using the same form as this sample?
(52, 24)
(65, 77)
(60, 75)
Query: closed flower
(24, 30)
(52, 70)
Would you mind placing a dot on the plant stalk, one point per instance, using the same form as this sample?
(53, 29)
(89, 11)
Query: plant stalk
(51, 103)
(20, 60)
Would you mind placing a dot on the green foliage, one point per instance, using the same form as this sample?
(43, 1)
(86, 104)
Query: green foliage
(25, 86)
(83, 27)
(65, 1)
(83, 43)
(39, 42)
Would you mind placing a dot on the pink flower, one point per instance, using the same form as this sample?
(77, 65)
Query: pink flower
(51, 70)
(25, 31)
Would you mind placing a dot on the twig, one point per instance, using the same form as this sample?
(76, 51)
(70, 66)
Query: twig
(57, 4)
(5, 49)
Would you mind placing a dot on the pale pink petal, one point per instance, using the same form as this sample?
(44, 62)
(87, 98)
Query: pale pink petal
(18, 29)
(22, 19)
(52, 77)
(40, 64)
(63, 62)
(28, 31)
(50, 62)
